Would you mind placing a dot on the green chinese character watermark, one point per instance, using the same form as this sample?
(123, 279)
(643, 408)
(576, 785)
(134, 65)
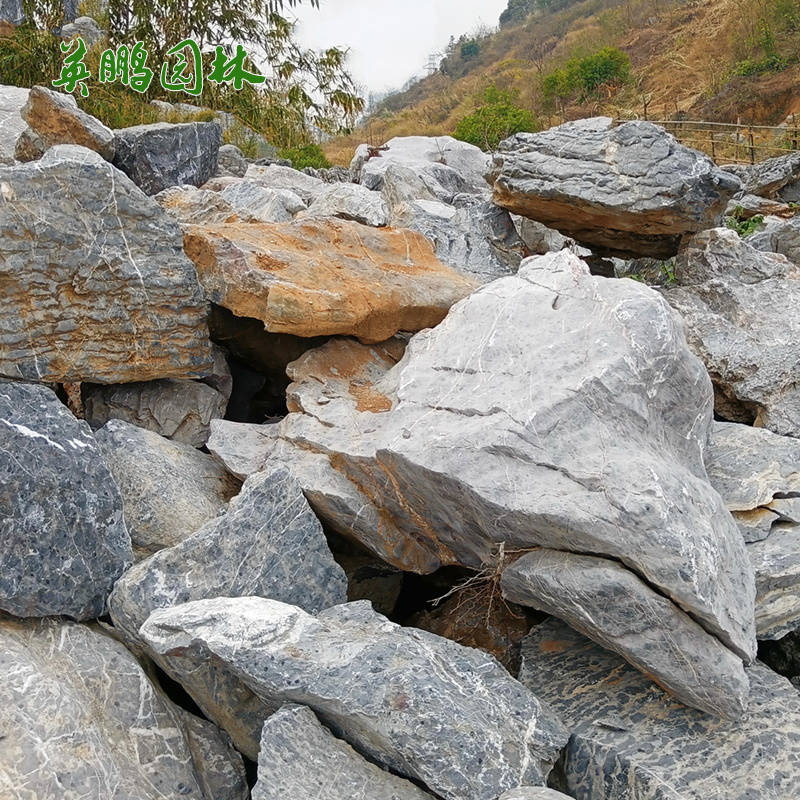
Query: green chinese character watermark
(225, 70)
(179, 81)
(74, 71)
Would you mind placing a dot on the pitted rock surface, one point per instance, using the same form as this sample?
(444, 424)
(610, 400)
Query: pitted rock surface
(107, 295)
(415, 703)
(64, 541)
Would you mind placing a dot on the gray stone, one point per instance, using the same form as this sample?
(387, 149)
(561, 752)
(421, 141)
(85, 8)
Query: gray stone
(243, 448)
(12, 11)
(630, 741)
(177, 409)
(567, 413)
(767, 178)
(303, 760)
(80, 718)
(402, 184)
(783, 656)
(12, 99)
(751, 205)
(350, 201)
(533, 793)
(275, 176)
(191, 206)
(776, 561)
(538, 238)
(85, 27)
(778, 236)
(420, 705)
(269, 544)
(260, 204)
(107, 295)
(30, 146)
(56, 119)
(231, 161)
(628, 191)
(168, 489)
(610, 605)
(61, 523)
(742, 313)
(161, 155)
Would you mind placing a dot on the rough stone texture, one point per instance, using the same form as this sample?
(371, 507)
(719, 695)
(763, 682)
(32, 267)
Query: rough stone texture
(742, 313)
(12, 11)
(64, 541)
(628, 191)
(533, 793)
(550, 409)
(107, 295)
(538, 238)
(353, 202)
(369, 578)
(231, 161)
(56, 118)
(403, 184)
(323, 277)
(751, 205)
(12, 99)
(178, 409)
(259, 204)
(30, 146)
(768, 177)
(275, 176)
(631, 742)
(169, 490)
(191, 206)
(80, 718)
(778, 236)
(269, 544)
(776, 561)
(302, 760)
(616, 609)
(415, 703)
(161, 155)
(243, 448)
(85, 27)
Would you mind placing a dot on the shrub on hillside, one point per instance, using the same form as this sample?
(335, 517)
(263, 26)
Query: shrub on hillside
(609, 67)
(498, 118)
(309, 155)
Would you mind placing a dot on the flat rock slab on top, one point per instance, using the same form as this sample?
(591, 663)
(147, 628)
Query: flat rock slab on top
(326, 276)
(778, 236)
(631, 742)
(630, 191)
(64, 541)
(107, 295)
(420, 705)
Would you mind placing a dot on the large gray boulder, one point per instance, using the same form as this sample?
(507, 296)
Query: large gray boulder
(767, 178)
(778, 236)
(350, 201)
(742, 313)
(161, 155)
(107, 295)
(549, 409)
(627, 191)
(191, 206)
(80, 718)
(303, 760)
(12, 99)
(631, 742)
(168, 489)
(260, 204)
(61, 523)
(269, 544)
(420, 705)
(231, 161)
(85, 27)
(276, 176)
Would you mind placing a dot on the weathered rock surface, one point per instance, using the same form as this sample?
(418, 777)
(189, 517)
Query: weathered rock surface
(303, 760)
(768, 177)
(608, 603)
(161, 155)
(12, 11)
(259, 204)
(323, 277)
(191, 206)
(269, 544)
(631, 742)
(12, 99)
(538, 238)
(778, 236)
(628, 191)
(29, 147)
(353, 202)
(107, 295)
(231, 161)
(533, 793)
(776, 561)
(550, 409)
(275, 176)
(61, 524)
(85, 27)
(177, 409)
(742, 314)
(243, 448)
(80, 718)
(417, 704)
(751, 205)
(56, 119)
(169, 490)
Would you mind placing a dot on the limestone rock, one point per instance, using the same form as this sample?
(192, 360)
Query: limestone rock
(629, 740)
(751, 205)
(243, 448)
(169, 490)
(323, 277)
(12, 99)
(61, 524)
(161, 155)
(191, 206)
(80, 718)
(275, 176)
(353, 202)
(177, 409)
(269, 544)
(231, 161)
(12, 11)
(776, 561)
(417, 704)
(302, 760)
(402, 184)
(628, 191)
(742, 313)
(533, 793)
(56, 119)
(107, 295)
(85, 27)
(608, 603)
(778, 236)
(767, 178)
(538, 238)
(259, 204)
(30, 146)
(550, 409)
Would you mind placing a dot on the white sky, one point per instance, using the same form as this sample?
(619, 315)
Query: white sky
(390, 40)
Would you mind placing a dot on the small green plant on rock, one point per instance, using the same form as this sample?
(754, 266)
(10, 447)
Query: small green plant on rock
(744, 227)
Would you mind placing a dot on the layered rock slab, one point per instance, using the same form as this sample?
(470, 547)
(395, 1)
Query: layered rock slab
(630, 191)
(64, 541)
(12, 99)
(324, 277)
(107, 295)
(631, 742)
(353, 202)
(417, 704)
(778, 236)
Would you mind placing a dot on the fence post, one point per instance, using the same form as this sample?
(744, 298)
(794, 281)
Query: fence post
(736, 152)
(794, 137)
(713, 147)
(751, 139)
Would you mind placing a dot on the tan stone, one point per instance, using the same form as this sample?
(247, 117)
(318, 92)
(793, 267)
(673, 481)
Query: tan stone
(316, 277)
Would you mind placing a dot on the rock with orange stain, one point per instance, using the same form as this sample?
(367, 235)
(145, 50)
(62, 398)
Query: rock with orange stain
(316, 277)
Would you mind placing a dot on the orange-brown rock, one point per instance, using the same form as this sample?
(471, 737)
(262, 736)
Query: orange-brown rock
(316, 277)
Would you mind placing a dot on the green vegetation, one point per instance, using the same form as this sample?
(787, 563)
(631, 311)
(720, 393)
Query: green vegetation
(498, 118)
(766, 40)
(470, 49)
(609, 68)
(744, 227)
(309, 155)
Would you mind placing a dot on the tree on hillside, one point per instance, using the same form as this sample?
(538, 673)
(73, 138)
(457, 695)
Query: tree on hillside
(498, 118)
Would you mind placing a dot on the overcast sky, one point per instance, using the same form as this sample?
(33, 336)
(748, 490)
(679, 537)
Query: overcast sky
(390, 40)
